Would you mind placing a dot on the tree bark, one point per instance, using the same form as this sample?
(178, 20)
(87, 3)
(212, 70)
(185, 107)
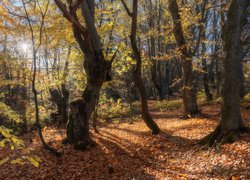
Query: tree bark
(205, 78)
(95, 65)
(189, 95)
(60, 98)
(241, 80)
(231, 121)
(137, 71)
(208, 94)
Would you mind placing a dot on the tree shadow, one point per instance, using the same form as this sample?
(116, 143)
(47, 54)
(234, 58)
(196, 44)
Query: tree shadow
(109, 159)
(164, 136)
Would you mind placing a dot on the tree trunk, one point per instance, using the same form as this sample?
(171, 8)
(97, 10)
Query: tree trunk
(209, 95)
(205, 78)
(60, 98)
(241, 81)
(231, 121)
(95, 118)
(137, 72)
(230, 107)
(96, 68)
(189, 95)
(81, 109)
(144, 102)
(154, 80)
(80, 112)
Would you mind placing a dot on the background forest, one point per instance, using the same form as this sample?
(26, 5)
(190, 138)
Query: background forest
(148, 89)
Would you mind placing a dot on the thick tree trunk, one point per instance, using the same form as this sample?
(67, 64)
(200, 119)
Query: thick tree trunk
(81, 109)
(231, 121)
(80, 112)
(241, 81)
(96, 69)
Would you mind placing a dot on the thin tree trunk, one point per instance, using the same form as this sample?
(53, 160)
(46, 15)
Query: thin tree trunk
(33, 82)
(209, 95)
(137, 72)
(205, 78)
(189, 95)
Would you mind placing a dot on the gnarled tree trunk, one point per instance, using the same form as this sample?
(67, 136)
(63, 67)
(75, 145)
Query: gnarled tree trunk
(81, 109)
(95, 65)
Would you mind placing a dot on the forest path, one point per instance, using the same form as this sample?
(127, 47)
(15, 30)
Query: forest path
(127, 151)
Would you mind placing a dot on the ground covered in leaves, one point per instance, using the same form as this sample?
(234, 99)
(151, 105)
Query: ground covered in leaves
(129, 151)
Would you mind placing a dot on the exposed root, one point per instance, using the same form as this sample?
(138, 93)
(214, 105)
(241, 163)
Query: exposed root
(217, 138)
(53, 151)
(80, 145)
(197, 114)
(84, 145)
(184, 117)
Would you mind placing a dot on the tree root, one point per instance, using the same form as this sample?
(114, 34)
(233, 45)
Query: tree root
(84, 145)
(53, 151)
(80, 145)
(197, 114)
(217, 138)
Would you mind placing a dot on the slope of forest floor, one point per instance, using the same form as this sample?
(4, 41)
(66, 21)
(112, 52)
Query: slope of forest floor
(129, 151)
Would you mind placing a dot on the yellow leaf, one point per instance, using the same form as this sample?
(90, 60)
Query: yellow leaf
(33, 161)
(4, 160)
(18, 161)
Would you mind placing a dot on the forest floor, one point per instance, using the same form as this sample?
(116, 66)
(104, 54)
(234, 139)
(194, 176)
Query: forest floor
(129, 151)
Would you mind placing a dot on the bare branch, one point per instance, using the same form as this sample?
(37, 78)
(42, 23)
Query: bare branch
(69, 16)
(126, 8)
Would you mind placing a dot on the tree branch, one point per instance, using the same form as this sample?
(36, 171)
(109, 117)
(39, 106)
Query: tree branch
(126, 8)
(69, 16)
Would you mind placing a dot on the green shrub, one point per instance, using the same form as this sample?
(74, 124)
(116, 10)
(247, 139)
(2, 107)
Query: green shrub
(109, 108)
(13, 142)
(8, 114)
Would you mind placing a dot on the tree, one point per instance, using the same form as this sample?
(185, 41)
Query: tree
(231, 123)
(189, 95)
(137, 71)
(35, 48)
(95, 65)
